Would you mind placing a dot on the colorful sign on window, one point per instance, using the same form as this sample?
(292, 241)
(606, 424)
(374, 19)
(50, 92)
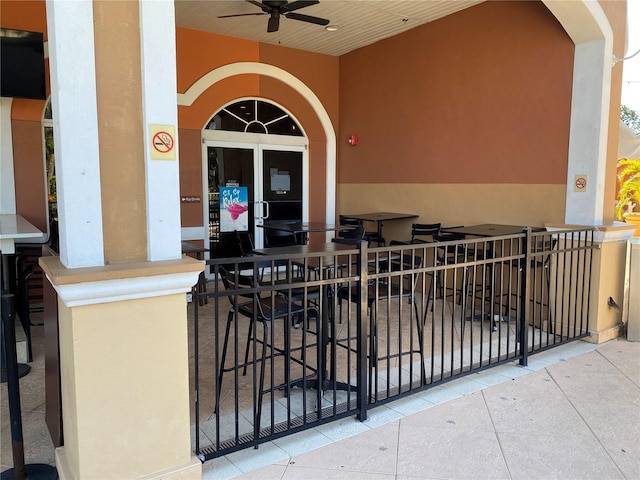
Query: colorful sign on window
(234, 209)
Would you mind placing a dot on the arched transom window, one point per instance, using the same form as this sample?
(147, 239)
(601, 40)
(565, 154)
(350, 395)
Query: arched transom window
(255, 116)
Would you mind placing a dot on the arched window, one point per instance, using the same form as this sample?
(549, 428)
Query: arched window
(255, 116)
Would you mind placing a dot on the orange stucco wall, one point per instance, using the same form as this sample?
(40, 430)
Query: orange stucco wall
(29, 172)
(24, 15)
(199, 53)
(190, 150)
(481, 96)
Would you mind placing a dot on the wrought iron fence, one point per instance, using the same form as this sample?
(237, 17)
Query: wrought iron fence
(282, 343)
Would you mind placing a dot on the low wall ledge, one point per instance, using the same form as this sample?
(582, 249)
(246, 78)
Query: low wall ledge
(121, 282)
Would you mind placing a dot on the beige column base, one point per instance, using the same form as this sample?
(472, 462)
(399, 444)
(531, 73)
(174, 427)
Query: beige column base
(609, 277)
(124, 364)
(189, 471)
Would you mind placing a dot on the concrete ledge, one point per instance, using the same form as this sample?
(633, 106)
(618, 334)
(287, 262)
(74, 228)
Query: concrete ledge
(115, 283)
(604, 233)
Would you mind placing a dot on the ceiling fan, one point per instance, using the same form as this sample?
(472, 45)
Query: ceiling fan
(276, 8)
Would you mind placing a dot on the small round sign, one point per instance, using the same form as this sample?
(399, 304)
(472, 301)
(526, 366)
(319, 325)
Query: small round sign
(163, 142)
(581, 183)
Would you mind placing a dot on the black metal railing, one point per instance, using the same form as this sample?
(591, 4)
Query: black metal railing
(287, 342)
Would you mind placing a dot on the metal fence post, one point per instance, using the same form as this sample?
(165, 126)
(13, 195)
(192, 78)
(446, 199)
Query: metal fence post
(362, 330)
(524, 299)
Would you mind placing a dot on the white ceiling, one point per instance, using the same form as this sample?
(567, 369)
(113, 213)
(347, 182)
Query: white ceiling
(360, 22)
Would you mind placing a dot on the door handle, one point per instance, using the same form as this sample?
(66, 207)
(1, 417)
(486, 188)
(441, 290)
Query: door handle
(267, 209)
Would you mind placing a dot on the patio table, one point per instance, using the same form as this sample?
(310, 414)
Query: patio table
(328, 263)
(12, 228)
(380, 217)
(489, 230)
(301, 230)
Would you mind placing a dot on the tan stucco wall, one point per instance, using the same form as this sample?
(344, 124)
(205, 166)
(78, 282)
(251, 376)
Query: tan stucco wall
(608, 277)
(119, 96)
(29, 177)
(454, 204)
(118, 360)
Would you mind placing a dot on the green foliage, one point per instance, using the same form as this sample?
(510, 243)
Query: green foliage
(630, 118)
(629, 193)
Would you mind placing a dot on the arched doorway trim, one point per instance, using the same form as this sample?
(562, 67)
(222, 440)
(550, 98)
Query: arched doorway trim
(242, 68)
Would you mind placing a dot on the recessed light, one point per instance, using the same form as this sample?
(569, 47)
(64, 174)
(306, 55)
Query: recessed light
(331, 28)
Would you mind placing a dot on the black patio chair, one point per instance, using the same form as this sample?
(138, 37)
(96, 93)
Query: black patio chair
(424, 230)
(469, 293)
(260, 312)
(293, 273)
(543, 249)
(386, 289)
(352, 236)
(371, 236)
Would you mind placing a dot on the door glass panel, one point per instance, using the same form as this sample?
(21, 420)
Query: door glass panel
(228, 166)
(282, 187)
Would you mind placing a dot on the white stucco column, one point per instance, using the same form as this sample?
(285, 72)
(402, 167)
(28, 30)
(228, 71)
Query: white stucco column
(159, 110)
(122, 310)
(589, 132)
(75, 128)
(587, 25)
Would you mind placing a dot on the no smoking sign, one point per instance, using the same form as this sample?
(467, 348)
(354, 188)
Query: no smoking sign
(163, 142)
(580, 184)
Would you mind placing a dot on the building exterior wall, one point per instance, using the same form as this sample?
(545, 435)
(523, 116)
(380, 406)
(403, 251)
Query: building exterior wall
(200, 53)
(470, 112)
(487, 109)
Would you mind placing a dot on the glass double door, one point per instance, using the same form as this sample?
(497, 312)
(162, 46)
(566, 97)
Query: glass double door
(273, 176)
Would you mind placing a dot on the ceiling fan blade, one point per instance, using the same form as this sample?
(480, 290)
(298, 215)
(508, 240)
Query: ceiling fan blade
(299, 4)
(241, 15)
(307, 18)
(274, 23)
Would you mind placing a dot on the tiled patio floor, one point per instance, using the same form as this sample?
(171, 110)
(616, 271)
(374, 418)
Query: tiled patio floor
(573, 413)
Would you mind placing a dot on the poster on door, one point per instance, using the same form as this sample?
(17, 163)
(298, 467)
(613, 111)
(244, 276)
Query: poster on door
(234, 209)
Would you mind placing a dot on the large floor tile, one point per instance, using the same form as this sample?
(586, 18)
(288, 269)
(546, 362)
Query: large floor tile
(539, 382)
(372, 452)
(305, 473)
(559, 457)
(446, 453)
(272, 472)
(625, 356)
(617, 428)
(468, 412)
(613, 387)
(535, 416)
